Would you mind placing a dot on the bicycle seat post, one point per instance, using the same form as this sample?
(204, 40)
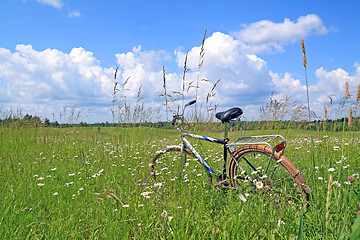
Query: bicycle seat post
(226, 130)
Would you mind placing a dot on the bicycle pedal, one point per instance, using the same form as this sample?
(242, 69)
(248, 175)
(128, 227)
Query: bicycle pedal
(222, 183)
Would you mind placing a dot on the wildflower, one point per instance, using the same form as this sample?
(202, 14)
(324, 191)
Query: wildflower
(139, 180)
(55, 193)
(158, 185)
(115, 210)
(141, 205)
(139, 224)
(351, 178)
(331, 169)
(41, 184)
(259, 185)
(164, 214)
(145, 193)
(125, 206)
(67, 184)
(320, 178)
(40, 178)
(280, 222)
(347, 182)
(170, 218)
(72, 174)
(199, 175)
(53, 169)
(181, 207)
(242, 198)
(336, 183)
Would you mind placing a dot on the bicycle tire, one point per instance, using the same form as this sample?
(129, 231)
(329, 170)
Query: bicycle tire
(164, 169)
(290, 188)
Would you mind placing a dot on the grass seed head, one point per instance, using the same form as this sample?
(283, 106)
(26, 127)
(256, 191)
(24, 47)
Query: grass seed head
(347, 93)
(350, 118)
(304, 52)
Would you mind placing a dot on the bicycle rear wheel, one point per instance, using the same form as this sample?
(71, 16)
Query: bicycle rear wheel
(278, 179)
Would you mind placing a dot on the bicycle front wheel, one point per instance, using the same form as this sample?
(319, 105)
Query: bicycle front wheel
(252, 170)
(168, 164)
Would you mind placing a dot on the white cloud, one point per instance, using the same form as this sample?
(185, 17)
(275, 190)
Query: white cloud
(54, 3)
(51, 79)
(244, 77)
(143, 69)
(329, 88)
(74, 14)
(266, 35)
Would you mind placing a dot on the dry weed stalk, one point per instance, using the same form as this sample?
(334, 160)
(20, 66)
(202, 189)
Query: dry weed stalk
(325, 113)
(328, 196)
(165, 94)
(109, 193)
(201, 61)
(358, 94)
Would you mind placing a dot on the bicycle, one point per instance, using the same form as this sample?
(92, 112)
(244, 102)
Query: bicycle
(256, 163)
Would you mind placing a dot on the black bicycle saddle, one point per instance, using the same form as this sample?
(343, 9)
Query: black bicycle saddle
(229, 114)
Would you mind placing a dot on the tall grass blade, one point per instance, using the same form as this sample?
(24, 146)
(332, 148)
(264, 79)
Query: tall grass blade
(301, 226)
(355, 229)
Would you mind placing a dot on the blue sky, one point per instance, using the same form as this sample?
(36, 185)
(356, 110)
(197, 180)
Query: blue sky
(59, 54)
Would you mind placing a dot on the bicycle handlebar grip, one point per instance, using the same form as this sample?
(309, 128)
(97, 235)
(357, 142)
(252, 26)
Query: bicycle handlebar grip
(173, 121)
(192, 102)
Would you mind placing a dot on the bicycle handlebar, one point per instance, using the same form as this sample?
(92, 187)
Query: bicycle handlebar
(176, 116)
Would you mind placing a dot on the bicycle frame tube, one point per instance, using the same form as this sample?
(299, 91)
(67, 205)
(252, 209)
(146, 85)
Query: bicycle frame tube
(200, 158)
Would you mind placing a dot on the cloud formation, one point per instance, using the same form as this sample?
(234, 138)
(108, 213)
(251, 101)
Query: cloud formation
(54, 3)
(266, 35)
(34, 79)
(43, 82)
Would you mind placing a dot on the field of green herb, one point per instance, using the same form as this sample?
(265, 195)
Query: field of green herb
(89, 184)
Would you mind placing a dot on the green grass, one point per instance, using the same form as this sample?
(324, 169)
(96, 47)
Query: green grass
(58, 183)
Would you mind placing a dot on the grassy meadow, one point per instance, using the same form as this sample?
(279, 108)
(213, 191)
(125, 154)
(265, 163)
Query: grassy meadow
(81, 183)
